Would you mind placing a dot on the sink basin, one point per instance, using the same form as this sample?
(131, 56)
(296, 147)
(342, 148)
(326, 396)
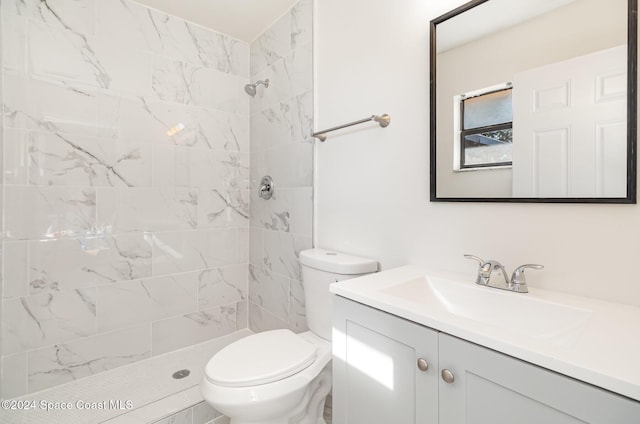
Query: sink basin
(523, 313)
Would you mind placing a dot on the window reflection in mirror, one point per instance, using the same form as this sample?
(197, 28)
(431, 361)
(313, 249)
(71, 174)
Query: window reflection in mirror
(485, 136)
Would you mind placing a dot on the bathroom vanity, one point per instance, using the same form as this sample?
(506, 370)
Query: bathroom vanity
(412, 348)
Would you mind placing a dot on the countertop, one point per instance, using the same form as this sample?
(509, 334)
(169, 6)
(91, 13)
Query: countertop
(604, 350)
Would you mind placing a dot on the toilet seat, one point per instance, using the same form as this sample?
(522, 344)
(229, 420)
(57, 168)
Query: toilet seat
(260, 359)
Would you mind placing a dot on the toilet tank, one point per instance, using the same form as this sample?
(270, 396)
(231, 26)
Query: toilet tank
(321, 268)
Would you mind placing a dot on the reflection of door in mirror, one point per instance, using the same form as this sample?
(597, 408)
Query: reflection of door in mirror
(498, 42)
(571, 118)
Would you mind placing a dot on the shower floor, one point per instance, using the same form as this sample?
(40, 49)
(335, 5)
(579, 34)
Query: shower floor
(146, 390)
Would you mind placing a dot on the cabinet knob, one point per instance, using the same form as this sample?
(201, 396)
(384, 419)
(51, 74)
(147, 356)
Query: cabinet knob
(447, 376)
(423, 365)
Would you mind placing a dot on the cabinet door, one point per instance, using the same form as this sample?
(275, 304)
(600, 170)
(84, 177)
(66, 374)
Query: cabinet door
(493, 388)
(376, 378)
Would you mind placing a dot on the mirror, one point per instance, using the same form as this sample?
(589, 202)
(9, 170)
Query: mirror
(534, 101)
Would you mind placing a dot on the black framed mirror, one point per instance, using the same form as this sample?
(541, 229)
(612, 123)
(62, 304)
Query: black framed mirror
(534, 101)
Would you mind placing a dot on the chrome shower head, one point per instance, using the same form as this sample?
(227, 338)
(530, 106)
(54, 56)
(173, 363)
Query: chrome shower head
(251, 88)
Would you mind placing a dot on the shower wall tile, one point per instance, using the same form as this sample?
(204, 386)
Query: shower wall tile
(131, 303)
(36, 321)
(62, 265)
(182, 417)
(203, 413)
(172, 79)
(282, 251)
(273, 214)
(261, 320)
(289, 165)
(242, 314)
(127, 23)
(189, 329)
(222, 53)
(301, 23)
(271, 127)
(301, 211)
(182, 251)
(32, 103)
(134, 163)
(280, 89)
(244, 176)
(13, 377)
(148, 209)
(272, 45)
(16, 158)
(216, 90)
(222, 286)
(62, 160)
(173, 36)
(270, 291)
(255, 102)
(256, 247)
(195, 168)
(302, 117)
(75, 59)
(182, 82)
(14, 48)
(66, 362)
(297, 311)
(300, 67)
(126, 168)
(171, 166)
(33, 213)
(143, 120)
(128, 70)
(223, 208)
(218, 130)
(15, 267)
(75, 15)
(242, 247)
(211, 169)
(281, 146)
(257, 166)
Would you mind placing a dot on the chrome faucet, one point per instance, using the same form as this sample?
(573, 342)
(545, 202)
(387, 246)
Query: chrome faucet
(493, 274)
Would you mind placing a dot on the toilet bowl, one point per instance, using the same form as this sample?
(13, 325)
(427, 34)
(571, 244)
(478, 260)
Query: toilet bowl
(277, 376)
(279, 384)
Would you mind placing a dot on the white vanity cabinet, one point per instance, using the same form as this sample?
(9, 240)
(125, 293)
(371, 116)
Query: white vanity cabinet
(377, 379)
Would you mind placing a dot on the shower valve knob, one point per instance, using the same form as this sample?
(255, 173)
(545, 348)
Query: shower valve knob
(266, 187)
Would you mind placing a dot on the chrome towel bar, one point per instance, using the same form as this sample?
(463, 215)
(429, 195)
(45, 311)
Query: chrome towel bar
(383, 120)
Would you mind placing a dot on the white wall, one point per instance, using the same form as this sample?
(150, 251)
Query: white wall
(372, 184)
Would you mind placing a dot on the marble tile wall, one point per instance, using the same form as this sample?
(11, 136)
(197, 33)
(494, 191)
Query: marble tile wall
(1, 208)
(198, 414)
(281, 146)
(126, 186)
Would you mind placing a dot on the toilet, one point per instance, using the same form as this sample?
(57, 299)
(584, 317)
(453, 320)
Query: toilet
(277, 376)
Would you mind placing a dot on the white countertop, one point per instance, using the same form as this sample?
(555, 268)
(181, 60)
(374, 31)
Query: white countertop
(603, 350)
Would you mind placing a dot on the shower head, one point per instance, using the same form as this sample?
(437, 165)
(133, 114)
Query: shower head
(251, 88)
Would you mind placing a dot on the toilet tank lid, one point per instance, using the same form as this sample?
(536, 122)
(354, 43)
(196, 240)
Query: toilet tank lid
(338, 263)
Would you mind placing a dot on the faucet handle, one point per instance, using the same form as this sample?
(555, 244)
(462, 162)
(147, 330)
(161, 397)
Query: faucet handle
(518, 280)
(475, 258)
(483, 276)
